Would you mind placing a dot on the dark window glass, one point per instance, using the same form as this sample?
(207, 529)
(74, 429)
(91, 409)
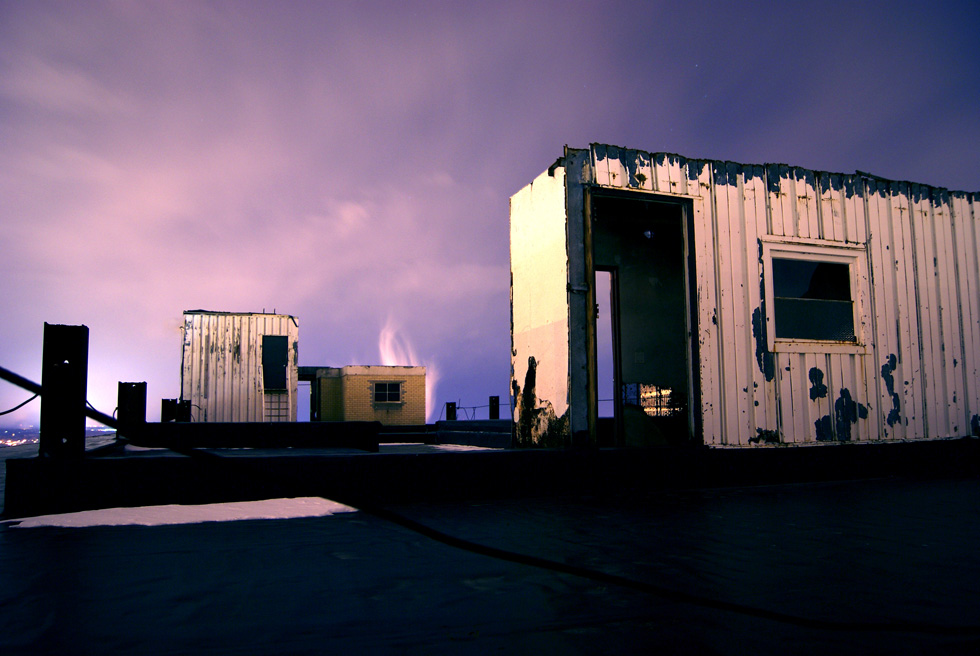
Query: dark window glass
(812, 300)
(275, 350)
(387, 392)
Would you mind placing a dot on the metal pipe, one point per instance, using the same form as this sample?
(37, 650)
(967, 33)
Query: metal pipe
(34, 388)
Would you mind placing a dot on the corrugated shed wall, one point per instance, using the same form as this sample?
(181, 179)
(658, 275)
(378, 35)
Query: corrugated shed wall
(914, 372)
(221, 370)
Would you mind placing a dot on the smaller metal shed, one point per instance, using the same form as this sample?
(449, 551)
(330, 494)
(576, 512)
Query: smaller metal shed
(240, 366)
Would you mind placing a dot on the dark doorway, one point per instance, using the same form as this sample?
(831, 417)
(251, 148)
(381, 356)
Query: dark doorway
(642, 244)
(275, 354)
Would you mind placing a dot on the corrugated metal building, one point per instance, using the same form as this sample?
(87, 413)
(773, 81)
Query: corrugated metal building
(392, 395)
(240, 366)
(751, 304)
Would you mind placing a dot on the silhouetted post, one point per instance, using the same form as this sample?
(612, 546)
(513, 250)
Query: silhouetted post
(132, 407)
(450, 411)
(64, 385)
(175, 410)
(184, 411)
(495, 407)
(168, 410)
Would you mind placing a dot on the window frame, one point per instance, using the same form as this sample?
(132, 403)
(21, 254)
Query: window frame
(853, 255)
(388, 383)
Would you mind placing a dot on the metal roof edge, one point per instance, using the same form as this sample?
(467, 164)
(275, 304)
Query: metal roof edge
(857, 174)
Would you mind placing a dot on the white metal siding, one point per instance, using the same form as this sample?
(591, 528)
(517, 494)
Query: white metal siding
(221, 372)
(917, 298)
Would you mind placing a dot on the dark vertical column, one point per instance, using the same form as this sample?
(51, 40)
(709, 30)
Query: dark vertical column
(64, 383)
(495, 407)
(168, 410)
(131, 401)
(450, 411)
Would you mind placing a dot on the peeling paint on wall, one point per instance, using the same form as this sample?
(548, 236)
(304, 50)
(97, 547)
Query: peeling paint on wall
(767, 364)
(537, 423)
(817, 389)
(887, 375)
(846, 414)
(764, 436)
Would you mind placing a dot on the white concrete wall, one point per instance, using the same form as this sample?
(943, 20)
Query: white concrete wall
(539, 299)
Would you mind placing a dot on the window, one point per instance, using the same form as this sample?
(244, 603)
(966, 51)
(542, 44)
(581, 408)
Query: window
(812, 300)
(387, 392)
(813, 295)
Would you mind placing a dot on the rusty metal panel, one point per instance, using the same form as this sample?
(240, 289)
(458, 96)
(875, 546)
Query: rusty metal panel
(735, 304)
(221, 370)
(765, 424)
(723, 289)
(807, 219)
(966, 242)
(707, 330)
(935, 211)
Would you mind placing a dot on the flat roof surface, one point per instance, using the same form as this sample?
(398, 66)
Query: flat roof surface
(873, 566)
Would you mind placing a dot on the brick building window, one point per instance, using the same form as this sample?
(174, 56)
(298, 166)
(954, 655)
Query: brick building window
(387, 392)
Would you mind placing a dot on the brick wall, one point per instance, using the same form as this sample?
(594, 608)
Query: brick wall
(331, 399)
(359, 404)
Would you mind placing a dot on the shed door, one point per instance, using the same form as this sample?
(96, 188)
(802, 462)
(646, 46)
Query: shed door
(642, 244)
(275, 351)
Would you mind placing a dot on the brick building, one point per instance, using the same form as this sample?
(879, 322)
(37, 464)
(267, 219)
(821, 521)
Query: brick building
(394, 396)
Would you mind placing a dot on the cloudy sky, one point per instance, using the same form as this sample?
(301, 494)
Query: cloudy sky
(350, 163)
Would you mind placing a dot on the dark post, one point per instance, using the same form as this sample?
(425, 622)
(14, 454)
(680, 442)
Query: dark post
(495, 407)
(450, 411)
(168, 410)
(132, 407)
(64, 385)
(183, 411)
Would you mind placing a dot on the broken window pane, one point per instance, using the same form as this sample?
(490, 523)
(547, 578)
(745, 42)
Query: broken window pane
(812, 300)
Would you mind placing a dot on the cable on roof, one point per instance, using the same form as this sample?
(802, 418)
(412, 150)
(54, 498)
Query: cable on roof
(665, 593)
(18, 407)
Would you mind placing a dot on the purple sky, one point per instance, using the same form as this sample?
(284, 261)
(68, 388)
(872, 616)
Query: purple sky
(350, 163)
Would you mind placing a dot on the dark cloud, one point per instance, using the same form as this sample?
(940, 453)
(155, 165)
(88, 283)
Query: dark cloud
(351, 163)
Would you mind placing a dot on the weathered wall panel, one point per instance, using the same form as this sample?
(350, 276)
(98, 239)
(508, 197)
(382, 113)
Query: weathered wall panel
(913, 373)
(966, 242)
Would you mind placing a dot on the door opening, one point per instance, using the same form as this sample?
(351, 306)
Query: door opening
(641, 268)
(605, 374)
